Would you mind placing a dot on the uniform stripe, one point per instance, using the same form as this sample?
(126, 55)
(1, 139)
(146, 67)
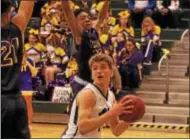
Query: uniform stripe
(76, 116)
(106, 97)
(75, 133)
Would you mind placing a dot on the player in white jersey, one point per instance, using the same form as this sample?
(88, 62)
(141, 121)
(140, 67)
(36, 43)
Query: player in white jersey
(95, 104)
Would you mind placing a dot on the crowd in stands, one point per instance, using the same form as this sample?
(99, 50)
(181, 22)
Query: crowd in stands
(50, 49)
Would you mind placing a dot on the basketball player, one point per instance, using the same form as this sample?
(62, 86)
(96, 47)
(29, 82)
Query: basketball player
(14, 120)
(86, 39)
(95, 104)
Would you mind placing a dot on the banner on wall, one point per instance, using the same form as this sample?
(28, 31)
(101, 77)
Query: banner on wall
(62, 95)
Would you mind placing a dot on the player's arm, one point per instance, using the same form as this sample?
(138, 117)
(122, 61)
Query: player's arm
(86, 100)
(71, 19)
(24, 14)
(118, 126)
(103, 14)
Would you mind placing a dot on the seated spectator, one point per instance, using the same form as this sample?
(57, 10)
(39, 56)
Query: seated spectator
(124, 25)
(131, 58)
(140, 9)
(150, 43)
(57, 59)
(168, 13)
(34, 49)
(119, 44)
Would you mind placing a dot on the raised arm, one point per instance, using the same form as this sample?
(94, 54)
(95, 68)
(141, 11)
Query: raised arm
(24, 14)
(103, 14)
(71, 19)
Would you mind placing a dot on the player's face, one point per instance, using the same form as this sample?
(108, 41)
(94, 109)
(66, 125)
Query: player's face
(123, 21)
(101, 72)
(83, 19)
(129, 46)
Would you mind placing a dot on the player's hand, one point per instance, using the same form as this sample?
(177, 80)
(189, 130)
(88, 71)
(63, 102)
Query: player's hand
(124, 106)
(128, 103)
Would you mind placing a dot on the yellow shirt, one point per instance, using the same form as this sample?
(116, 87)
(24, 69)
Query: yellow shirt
(57, 55)
(39, 47)
(118, 29)
(157, 31)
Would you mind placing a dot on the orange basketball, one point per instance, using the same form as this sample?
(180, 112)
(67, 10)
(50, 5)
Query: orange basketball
(138, 110)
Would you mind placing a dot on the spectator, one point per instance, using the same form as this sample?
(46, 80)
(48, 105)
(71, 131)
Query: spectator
(34, 49)
(132, 57)
(124, 25)
(57, 58)
(151, 44)
(140, 9)
(119, 44)
(168, 13)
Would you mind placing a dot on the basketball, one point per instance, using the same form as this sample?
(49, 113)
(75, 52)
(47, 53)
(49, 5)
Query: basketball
(137, 112)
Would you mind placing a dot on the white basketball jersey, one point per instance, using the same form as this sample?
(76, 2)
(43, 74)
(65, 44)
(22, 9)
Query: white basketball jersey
(102, 105)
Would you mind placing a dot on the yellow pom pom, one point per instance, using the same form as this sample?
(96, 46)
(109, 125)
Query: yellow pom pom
(104, 38)
(33, 31)
(165, 51)
(99, 6)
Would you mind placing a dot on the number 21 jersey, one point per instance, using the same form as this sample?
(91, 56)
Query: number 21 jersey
(11, 58)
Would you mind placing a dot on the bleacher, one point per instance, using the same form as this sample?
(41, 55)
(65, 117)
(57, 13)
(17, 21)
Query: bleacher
(46, 111)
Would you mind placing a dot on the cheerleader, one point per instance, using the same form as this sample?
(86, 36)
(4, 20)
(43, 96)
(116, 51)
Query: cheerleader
(57, 60)
(124, 25)
(34, 49)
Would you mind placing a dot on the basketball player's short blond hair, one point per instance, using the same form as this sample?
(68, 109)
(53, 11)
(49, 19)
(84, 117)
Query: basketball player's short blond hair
(101, 57)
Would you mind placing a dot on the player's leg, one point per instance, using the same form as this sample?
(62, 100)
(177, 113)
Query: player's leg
(28, 98)
(7, 115)
(21, 119)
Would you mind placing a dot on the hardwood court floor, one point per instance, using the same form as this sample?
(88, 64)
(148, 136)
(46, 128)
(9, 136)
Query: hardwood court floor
(55, 131)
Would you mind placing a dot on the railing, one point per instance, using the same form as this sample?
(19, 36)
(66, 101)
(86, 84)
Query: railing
(165, 57)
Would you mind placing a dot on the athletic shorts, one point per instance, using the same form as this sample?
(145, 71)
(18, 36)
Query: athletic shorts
(14, 118)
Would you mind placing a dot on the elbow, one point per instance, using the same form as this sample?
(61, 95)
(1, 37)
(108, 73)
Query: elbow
(116, 134)
(82, 128)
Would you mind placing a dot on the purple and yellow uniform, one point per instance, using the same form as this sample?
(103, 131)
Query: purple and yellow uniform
(35, 53)
(155, 34)
(27, 72)
(56, 56)
(150, 49)
(128, 30)
(117, 29)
